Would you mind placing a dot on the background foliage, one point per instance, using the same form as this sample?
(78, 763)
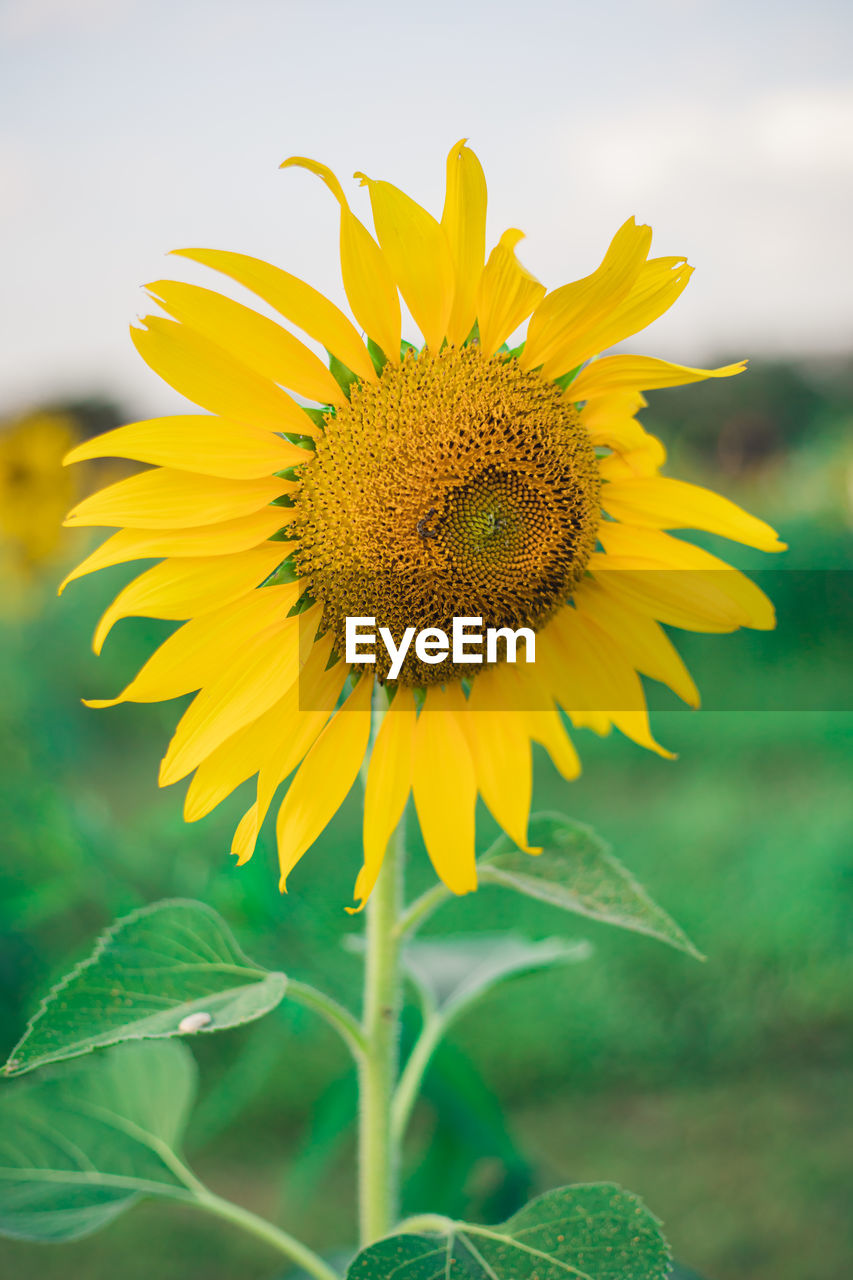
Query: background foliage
(718, 1092)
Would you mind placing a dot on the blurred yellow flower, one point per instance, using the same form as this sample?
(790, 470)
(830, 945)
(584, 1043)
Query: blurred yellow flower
(34, 495)
(460, 479)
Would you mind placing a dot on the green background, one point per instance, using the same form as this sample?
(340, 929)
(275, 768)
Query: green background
(719, 1092)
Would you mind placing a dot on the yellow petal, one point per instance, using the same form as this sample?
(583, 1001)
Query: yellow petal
(297, 301)
(506, 295)
(611, 424)
(417, 251)
(210, 540)
(166, 499)
(186, 587)
(246, 835)
(662, 503)
(567, 314)
(368, 281)
(290, 734)
(500, 749)
(677, 583)
(389, 780)
(233, 762)
(639, 638)
(640, 373)
(205, 373)
(645, 459)
(445, 789)
(659, 283)
(324, 779)
(308, 705)
(591, 674)
(689, 600)
(196, 442)
(547, 728)
(598, 415)
(533, 696)
(258, 342)
(269, 665)
(271, 738)
(200, 651)
(464, 223)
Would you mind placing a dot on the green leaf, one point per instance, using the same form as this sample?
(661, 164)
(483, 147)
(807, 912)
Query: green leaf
(79, 1147)
(577, 872)
(452, 973)
(169, 969)
(592, 1232)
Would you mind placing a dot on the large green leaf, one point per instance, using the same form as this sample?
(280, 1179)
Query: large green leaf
(453, 972)
(78, 1147)
(169, 969)
(592, 1232)
(577, 872)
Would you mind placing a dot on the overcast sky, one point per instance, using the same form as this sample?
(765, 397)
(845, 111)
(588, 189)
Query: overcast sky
(129, 128)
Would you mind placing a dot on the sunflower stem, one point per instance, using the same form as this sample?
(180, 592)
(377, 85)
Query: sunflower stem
(406, 1093)
(378, 1147)
(417, 912)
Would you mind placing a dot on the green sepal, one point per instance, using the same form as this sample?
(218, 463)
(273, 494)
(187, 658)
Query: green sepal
(304, 603)
(406, 347)
(318, 417)
(286, 572)
(377, 355)
(566, 378)
(474, 335)
(284, 500)
(343, 376)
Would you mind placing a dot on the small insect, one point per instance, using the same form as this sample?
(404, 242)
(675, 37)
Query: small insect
(421, 526)
(195, 1022)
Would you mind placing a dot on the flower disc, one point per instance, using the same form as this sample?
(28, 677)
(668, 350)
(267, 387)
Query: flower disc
(454, 486)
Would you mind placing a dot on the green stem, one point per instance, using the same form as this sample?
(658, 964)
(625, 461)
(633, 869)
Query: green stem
(378, 1150)
(347, 1027)
(433, 1222)
(421, 909)
(406, 1093)
(286, 1244)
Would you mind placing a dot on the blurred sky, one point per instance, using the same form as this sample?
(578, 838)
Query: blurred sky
(130, 127)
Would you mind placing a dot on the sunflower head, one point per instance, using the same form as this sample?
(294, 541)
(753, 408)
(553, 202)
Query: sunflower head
(452, 486)
(452, 478)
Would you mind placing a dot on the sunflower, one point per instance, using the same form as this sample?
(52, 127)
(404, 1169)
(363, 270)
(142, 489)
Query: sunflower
(453, 478)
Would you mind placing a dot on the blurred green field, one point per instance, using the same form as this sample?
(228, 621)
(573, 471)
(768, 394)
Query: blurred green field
(719, 1091)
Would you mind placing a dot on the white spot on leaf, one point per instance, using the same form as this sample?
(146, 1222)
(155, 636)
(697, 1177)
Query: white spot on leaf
(195, 1022)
